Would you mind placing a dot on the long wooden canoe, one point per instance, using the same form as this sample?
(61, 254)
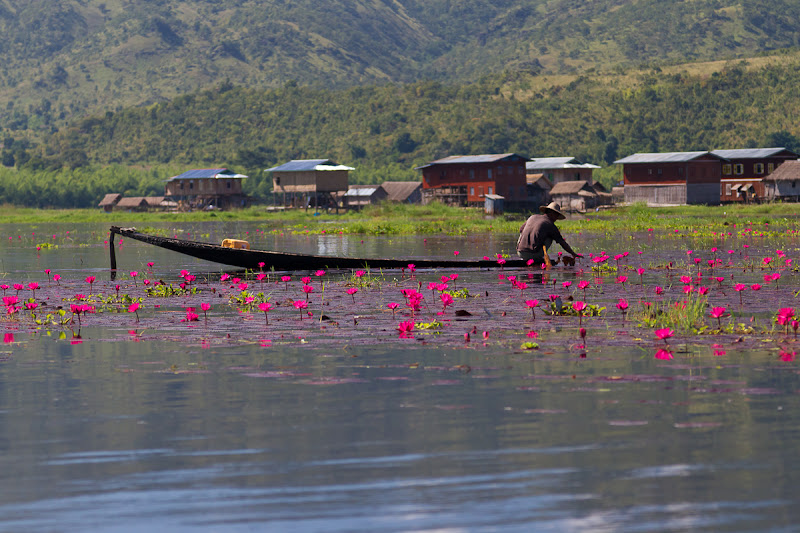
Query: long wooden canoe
(285, 261)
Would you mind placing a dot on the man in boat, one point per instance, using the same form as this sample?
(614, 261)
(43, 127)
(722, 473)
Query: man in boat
(538, 233)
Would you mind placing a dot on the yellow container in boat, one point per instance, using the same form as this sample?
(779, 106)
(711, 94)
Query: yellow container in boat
(235, 243)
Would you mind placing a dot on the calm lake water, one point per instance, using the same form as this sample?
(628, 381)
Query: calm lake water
(165, 430)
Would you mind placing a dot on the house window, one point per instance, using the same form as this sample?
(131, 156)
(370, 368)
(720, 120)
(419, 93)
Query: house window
(650, 171)
(759, 168)
(480, 191)
(191, 185)
(794, 184)
(660, 171)
(490, 190)
(472, 173)
(577, 175)
(726, 169)
(181, 185)
(738, 169)
(228, 184)
(489, 174)
(499, 171)
(472, 191)
(727, 189)
(680, 171)
(770, 167)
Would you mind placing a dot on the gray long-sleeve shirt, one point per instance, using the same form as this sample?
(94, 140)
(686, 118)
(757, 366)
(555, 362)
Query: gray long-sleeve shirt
(536, 230)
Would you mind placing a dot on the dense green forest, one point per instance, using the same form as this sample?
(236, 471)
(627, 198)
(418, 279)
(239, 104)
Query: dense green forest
(73, 58)
(387, 130)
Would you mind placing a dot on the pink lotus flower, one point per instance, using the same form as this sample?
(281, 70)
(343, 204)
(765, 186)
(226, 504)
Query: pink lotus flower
(392, 306)
(718, 349)
(622, 279)
(664, 334)
(359, 273)
(265, 308)
(755, 286)
(786, 356)
(532, 304)
(622, 305)
(456, 252)
(659, 290)
(300, 305)
(56, 277)
(405, 329)
(319, 273)
(352, 292)
(703, 290)
(224, 277)
(566, 284)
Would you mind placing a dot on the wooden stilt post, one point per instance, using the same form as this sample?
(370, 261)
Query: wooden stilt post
(112, 255)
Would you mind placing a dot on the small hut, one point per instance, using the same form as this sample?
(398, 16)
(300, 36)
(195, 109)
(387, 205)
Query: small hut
(405, 192)
(574, 195)
(133, 203)
(358, 197)
(493, 204)
(109, 201)
(784, 182)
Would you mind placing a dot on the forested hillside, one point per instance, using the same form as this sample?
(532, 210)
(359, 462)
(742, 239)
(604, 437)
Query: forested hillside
(71, 58)
(386, 130)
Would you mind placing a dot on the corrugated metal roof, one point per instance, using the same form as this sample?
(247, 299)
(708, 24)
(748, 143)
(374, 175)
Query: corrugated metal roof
(206, 173)
(468, 159)
(749, 153)
(666, 157)
(538, 163)
(362, 191)
(299, 165)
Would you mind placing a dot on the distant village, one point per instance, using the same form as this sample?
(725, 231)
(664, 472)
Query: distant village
(499, 182)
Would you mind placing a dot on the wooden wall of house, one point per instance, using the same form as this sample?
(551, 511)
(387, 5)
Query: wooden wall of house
(703, 193)
(204, 187)
(507, 179)
(696, 171)
(558, 175)
(310, 181)
(656, 194)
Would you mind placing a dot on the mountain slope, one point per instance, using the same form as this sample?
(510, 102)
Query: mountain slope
(70, 58)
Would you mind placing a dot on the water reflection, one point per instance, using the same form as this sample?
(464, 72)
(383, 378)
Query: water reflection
(341, 433)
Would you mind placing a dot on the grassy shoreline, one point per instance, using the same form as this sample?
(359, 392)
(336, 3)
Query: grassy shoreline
(432, 219)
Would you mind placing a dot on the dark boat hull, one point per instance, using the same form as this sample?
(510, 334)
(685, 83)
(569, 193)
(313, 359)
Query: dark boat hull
(283, 261)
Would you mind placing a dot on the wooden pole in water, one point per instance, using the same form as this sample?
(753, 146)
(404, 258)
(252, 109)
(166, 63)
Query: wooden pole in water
(112, 255)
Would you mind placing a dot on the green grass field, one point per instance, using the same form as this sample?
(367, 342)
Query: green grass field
(399, 219)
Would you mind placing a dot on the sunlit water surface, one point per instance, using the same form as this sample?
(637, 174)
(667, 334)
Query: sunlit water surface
(106, 435)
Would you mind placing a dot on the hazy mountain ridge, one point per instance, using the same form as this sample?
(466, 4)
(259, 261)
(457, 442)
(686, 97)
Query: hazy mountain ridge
(72, 58)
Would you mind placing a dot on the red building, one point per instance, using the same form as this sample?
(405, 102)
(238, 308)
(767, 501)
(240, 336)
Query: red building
(744, 171)
(466, 179)
(673, 178)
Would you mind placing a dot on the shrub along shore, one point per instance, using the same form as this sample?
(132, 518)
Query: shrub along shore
(397, 219)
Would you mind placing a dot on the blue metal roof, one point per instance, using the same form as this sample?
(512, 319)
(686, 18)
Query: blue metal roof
(666, 157)
(298, 165)
(750, 153)
(201, 173)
